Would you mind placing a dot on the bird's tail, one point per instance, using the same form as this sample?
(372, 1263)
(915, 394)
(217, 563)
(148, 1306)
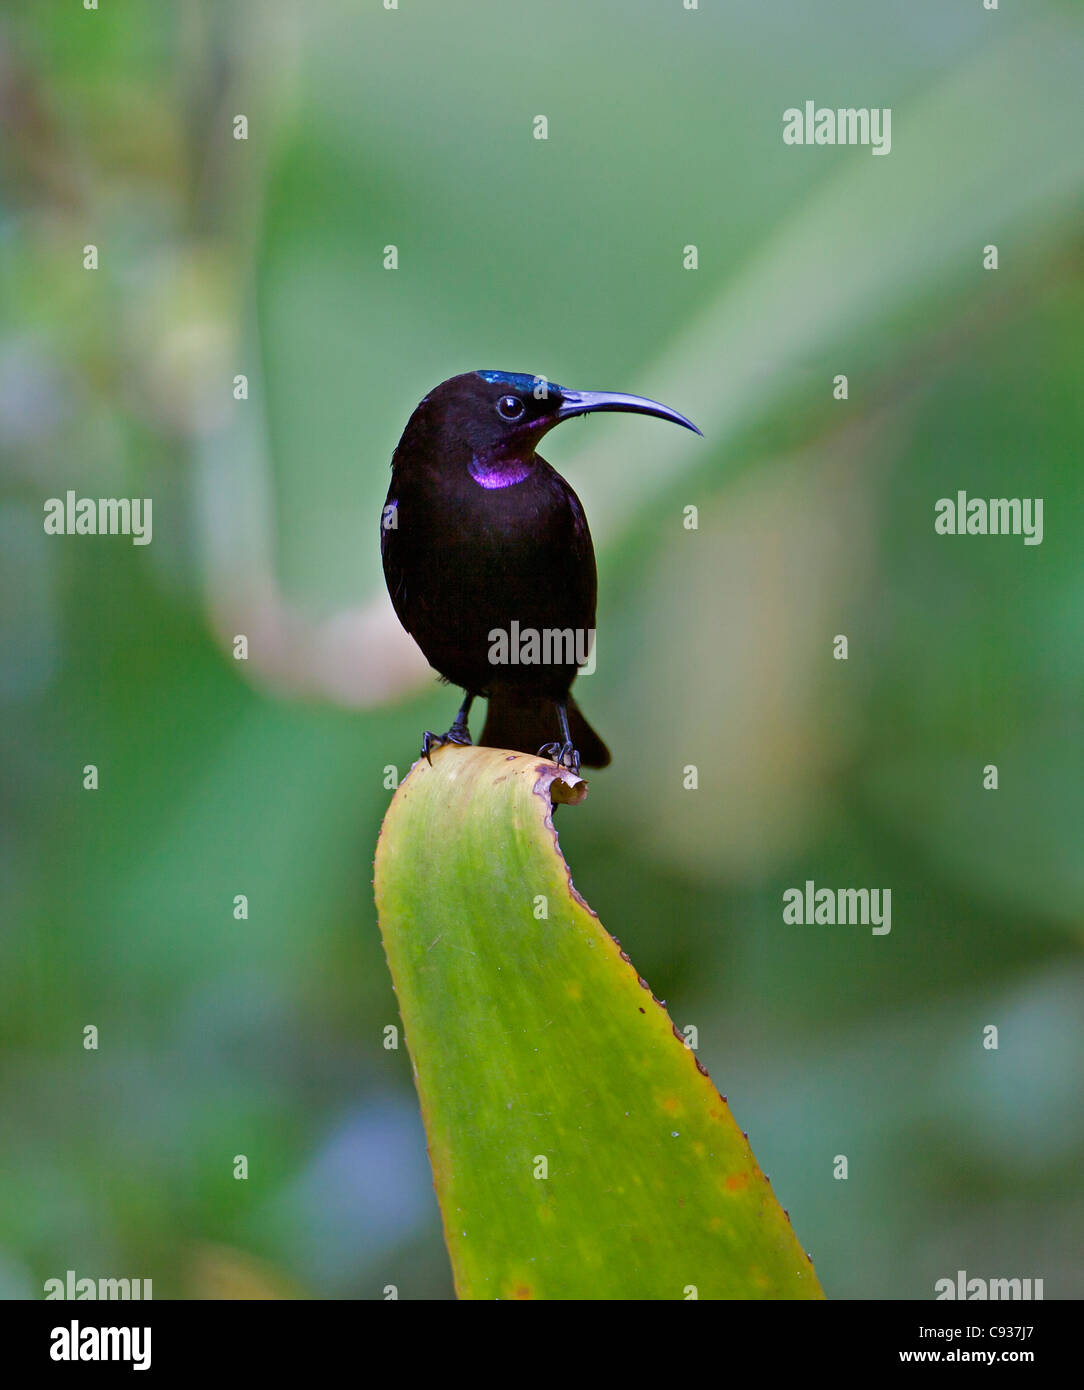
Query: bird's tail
(526, 722)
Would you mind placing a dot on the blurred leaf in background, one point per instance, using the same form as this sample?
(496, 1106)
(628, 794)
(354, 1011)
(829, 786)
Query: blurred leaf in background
(265, 258)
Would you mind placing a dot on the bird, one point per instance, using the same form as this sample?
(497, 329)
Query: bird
(489, 562)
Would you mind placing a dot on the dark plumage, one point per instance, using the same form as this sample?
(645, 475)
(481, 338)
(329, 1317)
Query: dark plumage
(479, 537)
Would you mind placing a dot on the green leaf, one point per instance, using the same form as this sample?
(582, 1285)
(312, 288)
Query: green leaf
(533, 1039)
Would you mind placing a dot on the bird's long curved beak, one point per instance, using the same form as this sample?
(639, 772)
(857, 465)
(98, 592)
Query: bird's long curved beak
(583, 402)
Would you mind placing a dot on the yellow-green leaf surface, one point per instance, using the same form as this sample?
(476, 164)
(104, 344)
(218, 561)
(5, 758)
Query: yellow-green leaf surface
(578, 1149)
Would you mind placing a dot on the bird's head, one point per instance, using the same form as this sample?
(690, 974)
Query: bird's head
(498, 419)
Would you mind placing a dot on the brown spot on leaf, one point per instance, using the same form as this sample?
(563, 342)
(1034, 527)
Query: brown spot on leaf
(559, 785)
(556, 786)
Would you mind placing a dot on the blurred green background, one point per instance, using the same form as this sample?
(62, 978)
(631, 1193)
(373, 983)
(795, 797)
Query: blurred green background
(413, 128)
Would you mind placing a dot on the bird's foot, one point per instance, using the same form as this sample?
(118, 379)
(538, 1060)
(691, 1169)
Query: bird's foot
(563, 754)
(458, 733)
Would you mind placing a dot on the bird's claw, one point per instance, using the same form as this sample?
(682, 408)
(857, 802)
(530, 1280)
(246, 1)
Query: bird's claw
(456, 734)
(563, 754)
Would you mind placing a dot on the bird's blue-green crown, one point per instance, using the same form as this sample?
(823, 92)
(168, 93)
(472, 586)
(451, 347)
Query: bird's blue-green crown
(519, 381)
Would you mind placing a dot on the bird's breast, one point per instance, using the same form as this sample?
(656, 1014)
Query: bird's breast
(465, 558)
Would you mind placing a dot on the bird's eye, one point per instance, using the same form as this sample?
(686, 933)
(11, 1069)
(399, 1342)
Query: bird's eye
(510, 407)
